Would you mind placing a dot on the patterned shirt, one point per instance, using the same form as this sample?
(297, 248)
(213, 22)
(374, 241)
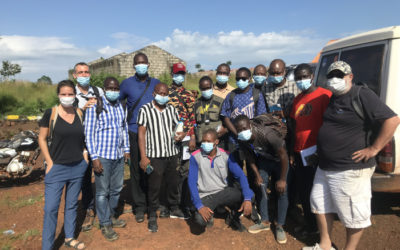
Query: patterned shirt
(159, 130)
(222, 92)
(83, 98)
(283, 96)
(184, 104)
(107, 134)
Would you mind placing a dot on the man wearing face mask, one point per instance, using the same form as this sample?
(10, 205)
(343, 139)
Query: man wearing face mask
(86, 97)
(266, 155)
(137, 90)
(279, 92)
(260, 77)
(107, 141)
(159, 152)
(222, 88)
(209, 188)
(206, 110)
(306, 114)
(342, 182)
(244, 100)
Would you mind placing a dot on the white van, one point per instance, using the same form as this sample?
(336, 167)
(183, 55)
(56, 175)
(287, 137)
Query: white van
(375, 60)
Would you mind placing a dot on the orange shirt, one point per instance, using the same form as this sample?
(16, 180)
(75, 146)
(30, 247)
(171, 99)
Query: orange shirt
(307, 111)
(222, 92)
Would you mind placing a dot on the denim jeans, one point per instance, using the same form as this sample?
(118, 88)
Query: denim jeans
(269, 168)
(59, 176)
(108, 187)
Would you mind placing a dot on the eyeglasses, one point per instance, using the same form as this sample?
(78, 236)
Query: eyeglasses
(242, 78)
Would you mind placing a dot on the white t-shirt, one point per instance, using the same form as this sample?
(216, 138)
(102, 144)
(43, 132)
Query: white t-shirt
(82, 98)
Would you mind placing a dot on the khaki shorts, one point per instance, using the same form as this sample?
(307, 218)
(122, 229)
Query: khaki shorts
(346, 193)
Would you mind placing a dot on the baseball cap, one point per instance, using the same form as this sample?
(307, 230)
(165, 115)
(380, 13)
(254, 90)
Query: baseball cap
(178, 67)
(339, 65)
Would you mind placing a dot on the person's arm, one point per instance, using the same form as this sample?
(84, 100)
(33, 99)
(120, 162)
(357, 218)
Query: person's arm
(144, 160)
(226, 113)
(125, 136)
(283, 157)
(42, 140)
(252, 163)
(385, 135)
(229, 125)
(292, 138)
(192, 183)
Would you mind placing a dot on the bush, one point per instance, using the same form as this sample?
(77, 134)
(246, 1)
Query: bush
(7, 103)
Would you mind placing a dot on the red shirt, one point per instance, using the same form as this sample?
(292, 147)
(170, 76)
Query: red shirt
(307, 111)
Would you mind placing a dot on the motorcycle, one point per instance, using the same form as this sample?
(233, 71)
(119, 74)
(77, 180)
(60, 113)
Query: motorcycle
(18, 155)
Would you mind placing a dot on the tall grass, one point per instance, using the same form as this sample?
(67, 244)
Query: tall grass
(26, 98)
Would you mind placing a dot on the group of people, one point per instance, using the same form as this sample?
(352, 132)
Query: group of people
(188, 156)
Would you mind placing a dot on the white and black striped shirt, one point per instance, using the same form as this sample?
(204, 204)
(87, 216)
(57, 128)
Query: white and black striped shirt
(159, 130)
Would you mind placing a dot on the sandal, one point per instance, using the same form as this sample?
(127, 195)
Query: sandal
(76, 245)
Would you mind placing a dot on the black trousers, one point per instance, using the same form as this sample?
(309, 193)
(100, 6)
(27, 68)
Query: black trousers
(304, 179)
(230, 197)
(87, 189)
(138, 180)
(165, 176)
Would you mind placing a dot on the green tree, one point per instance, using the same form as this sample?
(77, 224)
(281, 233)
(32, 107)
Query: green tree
(229, 62)
(9, 69)
(44, 79)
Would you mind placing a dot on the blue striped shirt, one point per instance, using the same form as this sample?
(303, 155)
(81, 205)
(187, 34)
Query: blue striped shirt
(107, 134)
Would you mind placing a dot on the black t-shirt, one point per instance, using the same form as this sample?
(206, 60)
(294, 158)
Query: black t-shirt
(68, 139)
(343, 132)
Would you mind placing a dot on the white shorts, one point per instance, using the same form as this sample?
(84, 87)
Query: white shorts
(346, 193)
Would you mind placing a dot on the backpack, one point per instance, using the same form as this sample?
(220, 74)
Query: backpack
(53, 120)
(99, 105)
(256, 96)
(371, 128)
(272, 122)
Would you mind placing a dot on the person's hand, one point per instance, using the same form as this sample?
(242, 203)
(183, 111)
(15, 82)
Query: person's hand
(222, 131)
(192, 145)
(97, 166)
(90, 103)
(49, 166)
(179, 136)
(127, 157)
(206, 213)
(291, 159)
(280, 186)
(364, 154)
(245, 208)
(144, 162)
(259, 180)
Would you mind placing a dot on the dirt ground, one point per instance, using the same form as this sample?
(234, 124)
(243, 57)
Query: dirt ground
(21, 209)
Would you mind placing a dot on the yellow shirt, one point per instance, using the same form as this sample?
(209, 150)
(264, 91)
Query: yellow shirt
(222, 92)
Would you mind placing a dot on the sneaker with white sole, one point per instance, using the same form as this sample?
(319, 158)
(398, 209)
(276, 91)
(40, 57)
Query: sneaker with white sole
(256, 228)
(280, 235)
(316, 247)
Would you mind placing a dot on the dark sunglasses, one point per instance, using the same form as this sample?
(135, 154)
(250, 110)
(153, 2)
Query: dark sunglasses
(335, 73)
(242, 78)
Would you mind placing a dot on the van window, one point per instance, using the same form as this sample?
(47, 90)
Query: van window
(326, 60)
(366, 64)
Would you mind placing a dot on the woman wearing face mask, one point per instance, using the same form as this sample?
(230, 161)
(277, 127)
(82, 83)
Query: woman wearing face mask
(66, 164)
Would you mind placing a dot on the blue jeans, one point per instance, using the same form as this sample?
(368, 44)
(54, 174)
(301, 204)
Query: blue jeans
(272, 168)
(108, 187)
(55, 180)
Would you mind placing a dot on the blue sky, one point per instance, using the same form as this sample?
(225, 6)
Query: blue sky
(48, 37)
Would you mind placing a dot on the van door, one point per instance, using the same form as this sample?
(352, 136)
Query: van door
(326, 60)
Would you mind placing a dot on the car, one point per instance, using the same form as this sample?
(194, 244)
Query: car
(375, 60)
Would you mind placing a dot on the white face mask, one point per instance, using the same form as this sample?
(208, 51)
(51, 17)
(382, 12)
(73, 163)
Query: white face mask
(67, 101)
(338, 86)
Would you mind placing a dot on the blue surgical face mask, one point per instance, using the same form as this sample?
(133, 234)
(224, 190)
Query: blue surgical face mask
(259, 80)
(112, 95)
(222, 79)
(275, 79)
(162, 100)
(207, 147)
(242, 84)
(304, 84)
(207, 93)
(141, 69)
(83, 80)
(245, 135)
(178, 78)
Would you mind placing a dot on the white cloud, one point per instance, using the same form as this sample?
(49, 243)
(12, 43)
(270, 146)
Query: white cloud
(243, 49)
(124, 42)
(51, 56)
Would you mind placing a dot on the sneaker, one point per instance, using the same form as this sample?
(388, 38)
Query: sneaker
(256, 228)
(233, 220)
(89, 220)
(139, 216)
(177, 214)
(117, 223)
(164, 213)
(280, 235)
(109, 233)
(316, 247)
(152, 225)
